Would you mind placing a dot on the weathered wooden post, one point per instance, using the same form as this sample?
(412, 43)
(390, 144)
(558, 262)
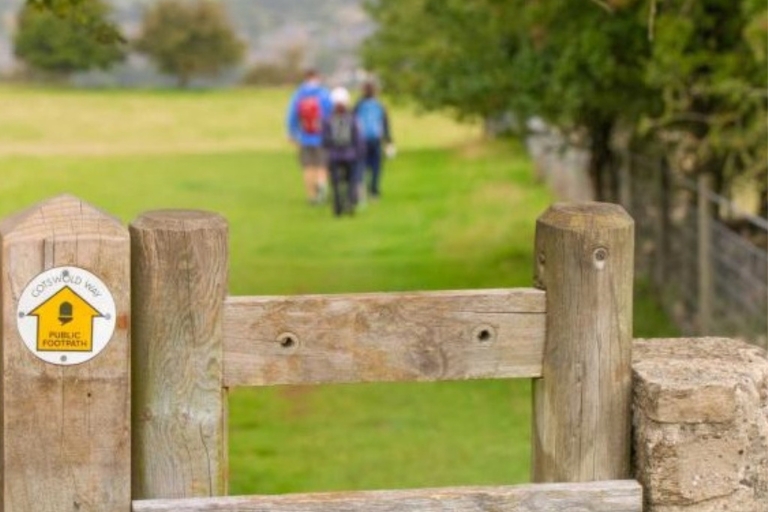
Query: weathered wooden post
(65, 360)
(584, 261)
(662, 225)
(625, 179)
(704, 257)
(179, 274)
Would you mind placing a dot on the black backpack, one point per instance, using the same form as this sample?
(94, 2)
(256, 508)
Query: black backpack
(342, 130)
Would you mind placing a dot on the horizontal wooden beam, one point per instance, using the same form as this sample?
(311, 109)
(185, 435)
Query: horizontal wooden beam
(424, 336)
(612, 496)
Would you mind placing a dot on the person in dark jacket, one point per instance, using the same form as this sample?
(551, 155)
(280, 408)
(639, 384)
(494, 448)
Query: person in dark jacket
(374, 125)
(343, 144)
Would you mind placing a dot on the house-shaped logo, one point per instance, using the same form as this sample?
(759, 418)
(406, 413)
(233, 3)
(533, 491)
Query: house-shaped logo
(65, 322)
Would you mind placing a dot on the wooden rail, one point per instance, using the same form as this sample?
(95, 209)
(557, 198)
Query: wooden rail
(611, 496)
(383, 337)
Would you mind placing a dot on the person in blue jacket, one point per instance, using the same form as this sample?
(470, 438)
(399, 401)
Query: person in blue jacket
(374, 125)
(310, 105)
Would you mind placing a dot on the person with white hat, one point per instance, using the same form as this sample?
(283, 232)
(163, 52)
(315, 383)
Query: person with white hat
(342, 141)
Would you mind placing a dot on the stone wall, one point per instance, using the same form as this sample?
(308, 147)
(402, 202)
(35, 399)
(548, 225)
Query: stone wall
(701, 425)
(559, 162)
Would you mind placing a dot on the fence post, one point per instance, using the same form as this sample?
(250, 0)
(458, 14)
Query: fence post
(179, 276)
(625, 180)
(65, 424)
(663, 189)
(704, 225)
(581, 424)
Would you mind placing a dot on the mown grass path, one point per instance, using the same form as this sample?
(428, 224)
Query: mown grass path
(457, 212)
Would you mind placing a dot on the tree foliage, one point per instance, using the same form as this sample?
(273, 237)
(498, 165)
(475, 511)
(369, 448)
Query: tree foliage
(69, 38)
(289, 69)
(445, 54)
(676, 71)
(188, 39)
(573, 63)
(580, 66)
(709, 62)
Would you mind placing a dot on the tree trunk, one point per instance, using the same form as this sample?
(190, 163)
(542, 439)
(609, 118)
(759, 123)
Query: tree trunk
(183, 80)
(604, 183)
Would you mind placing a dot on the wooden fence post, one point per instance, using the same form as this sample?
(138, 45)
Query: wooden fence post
(584, 261)
(625, 179)
(662, 228)
(179, 275)
(65, 360)
(704, 257)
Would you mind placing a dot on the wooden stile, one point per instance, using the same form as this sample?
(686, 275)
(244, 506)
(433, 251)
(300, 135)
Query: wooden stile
(383, 337)
(179, 423)
(65, 429)
(617, 496)
(582, 403)
(68, 440)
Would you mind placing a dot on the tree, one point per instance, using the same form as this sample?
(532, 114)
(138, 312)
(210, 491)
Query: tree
(581, 65)
(578, 64)
(690, 76)
(709, 61)
(188, 39)
(445, 54)
(287, 70)
(60, 42)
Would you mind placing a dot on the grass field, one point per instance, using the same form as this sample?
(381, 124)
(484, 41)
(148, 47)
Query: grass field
(457, 212)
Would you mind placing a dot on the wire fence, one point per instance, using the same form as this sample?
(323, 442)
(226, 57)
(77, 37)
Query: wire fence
(710, 278)
(706, 260)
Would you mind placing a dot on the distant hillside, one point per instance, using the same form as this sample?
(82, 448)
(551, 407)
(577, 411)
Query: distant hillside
(329, 30)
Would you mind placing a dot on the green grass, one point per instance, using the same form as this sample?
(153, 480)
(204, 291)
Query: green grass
(39, 121)
(376, 436)
(457, 212)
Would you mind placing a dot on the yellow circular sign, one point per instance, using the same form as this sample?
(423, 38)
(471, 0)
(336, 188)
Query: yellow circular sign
(66, 315)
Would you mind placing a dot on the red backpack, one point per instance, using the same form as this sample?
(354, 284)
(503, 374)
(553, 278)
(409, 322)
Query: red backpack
(309, 114)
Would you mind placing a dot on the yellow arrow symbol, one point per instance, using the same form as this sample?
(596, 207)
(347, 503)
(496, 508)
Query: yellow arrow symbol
(65, 323)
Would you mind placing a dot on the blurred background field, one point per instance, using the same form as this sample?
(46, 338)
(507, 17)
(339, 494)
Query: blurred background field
(458, 211)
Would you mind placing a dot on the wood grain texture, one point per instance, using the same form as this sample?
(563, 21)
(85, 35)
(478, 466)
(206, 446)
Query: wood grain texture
(582, 414)
(179, 279)
(383, 337)
(617, 496)
(65, 429)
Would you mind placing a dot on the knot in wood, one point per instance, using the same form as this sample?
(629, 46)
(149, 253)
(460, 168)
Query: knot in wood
(599, 257)
(287, 340)
(430, 360)
(484, 334)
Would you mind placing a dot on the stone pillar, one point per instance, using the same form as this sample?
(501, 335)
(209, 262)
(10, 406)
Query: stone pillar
(701, 425)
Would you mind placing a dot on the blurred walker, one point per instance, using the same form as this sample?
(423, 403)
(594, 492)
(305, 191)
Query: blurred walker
(309, 107)
(374, 125)
(341, 138)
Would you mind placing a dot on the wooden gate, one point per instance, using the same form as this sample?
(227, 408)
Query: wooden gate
(81, 437)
